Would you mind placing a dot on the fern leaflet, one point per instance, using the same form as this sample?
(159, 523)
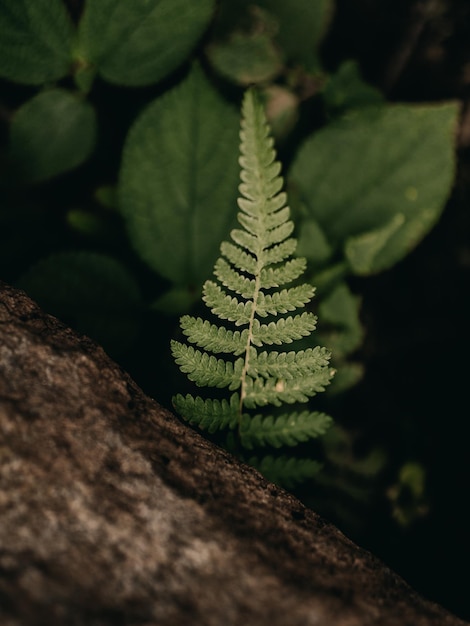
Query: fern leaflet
(283, 430)
(286, 470)
(246, 289)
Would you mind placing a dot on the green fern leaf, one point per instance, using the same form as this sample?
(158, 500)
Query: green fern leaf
(260, 391)
(271, 204)
(284, 430)
(248, 241)
(287, 365)
(253, 281)
(213, 338)
(283, 330)
(225, 306)
(206, 370)
(238, 258)
(233, 280)
(279, 253)
(210, 415)
(285, 300)
(276, 277)
(272, 221)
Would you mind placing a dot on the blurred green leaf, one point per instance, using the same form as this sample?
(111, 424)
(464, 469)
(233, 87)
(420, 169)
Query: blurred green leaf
(302, 26)
(340, 329)
(106, 196)
(362, 251)
(312, 243)
(140, 42)
(176, 301)
(408, 495)
(88, 224)
(348, 374)
(358, 174)
(346, 89)
(50, 134)
(282, 110)
(35, 40)
(246, 59)
(178, 180)
(91, 292)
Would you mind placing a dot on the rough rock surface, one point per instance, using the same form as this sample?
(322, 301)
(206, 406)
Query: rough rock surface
(112, 512)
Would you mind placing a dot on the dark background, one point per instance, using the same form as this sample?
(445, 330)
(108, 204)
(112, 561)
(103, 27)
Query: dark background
(417, 314)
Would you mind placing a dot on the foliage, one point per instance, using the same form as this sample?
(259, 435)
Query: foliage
(249, 275)
(119, 173)
(90, 291)
(140, 42)
(42, 132)
(179, 145)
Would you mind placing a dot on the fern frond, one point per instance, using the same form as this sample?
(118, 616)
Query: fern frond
(278, 276)
(210, 415)
(248, 241)
(287, 365)
(213, 338)
(238, 258)
(206, 370)
(234, 281)
(279, 234)
(287, 429)
(270, 204)
(279, 253)
(253, 281)
(225, 306)
(258, 239)
(285, 300)
(259, 227)
(260, 391)
(283, 330)
(285, 470)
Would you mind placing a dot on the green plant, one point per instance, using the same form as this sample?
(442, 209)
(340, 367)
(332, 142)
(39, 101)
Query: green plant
(118, 181)
(122, 136)
(246, 293)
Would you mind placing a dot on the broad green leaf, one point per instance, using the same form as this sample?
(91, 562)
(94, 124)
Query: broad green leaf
(243, 48)
(50, 134)
(297, 27)
(312, 243)
(91, 292)
(35, 40)
(357, 174)
(302, 26)
(246, 59)
(140, 42)
(363, 251)
(178, 180)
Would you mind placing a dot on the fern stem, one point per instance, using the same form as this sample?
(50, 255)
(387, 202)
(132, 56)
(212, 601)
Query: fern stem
(251, 142)
(259, 267)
